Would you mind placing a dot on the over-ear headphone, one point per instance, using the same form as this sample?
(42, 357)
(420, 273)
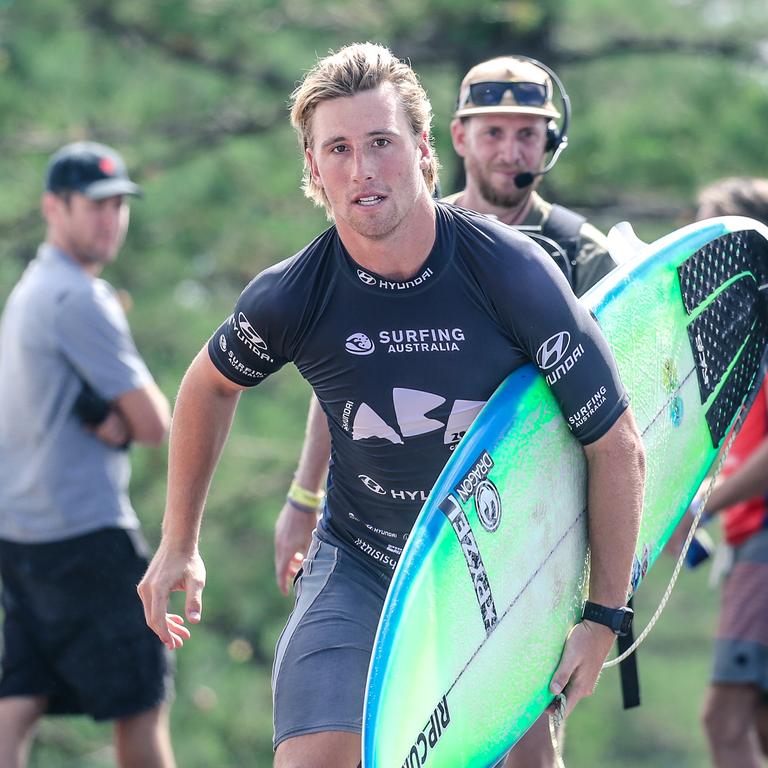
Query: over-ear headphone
(557, 136)
(554, 136)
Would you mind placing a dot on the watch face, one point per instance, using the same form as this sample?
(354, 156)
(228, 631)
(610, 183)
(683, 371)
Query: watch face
(625, 621)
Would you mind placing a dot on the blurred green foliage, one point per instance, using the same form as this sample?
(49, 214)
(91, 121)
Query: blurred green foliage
(667, 95)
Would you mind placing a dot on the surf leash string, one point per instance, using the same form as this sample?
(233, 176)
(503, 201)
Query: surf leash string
(555, 721)
(691, 533)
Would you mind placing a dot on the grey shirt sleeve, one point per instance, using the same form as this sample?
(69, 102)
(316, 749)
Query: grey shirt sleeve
(93, 335)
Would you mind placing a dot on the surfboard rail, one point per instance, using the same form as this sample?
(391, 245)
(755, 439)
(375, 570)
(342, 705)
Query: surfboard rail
(464, 632)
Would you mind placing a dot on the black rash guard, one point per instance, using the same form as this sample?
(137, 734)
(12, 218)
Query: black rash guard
(401, 369)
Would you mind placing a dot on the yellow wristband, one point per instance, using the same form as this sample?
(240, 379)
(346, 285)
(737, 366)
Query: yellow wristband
(303, 497)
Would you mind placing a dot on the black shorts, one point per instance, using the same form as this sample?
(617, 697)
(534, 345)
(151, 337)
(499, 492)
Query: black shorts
(74, 629)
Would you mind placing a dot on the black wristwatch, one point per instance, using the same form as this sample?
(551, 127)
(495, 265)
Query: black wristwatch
(618, 619)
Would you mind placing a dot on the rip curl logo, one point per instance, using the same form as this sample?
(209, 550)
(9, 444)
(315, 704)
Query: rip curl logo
(430, 734)
(552, 351)
(223, 342)
(247, 329)
(488, 505)
(359, 344)
(366, 278)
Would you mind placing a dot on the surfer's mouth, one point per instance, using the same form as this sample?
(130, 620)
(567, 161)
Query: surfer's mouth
(368, 201)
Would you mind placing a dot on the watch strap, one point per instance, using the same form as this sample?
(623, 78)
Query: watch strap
(619, 620)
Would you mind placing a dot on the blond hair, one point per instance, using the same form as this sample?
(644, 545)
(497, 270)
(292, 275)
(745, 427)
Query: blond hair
(352, 69)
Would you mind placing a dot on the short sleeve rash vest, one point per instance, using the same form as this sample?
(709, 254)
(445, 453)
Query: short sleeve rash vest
(401, 369)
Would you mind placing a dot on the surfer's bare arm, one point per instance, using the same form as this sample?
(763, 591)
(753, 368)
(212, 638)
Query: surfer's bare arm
(616, 475)
(296, 521)
(749, 481)
(202, 418)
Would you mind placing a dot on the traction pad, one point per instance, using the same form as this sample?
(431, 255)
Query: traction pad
(733, 325)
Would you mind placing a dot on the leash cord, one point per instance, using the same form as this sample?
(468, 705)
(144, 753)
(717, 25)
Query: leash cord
(681, 559)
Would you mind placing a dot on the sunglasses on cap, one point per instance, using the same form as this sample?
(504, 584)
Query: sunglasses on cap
(490, 94)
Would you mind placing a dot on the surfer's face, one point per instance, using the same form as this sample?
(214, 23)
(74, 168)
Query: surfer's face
(495, 149)
(367, 160)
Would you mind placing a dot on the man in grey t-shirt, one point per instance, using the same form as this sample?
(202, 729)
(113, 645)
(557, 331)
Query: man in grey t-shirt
(74, 393)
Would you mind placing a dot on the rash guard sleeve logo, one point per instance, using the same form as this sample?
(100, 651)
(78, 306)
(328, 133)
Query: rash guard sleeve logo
(247, 330)
(551, 352)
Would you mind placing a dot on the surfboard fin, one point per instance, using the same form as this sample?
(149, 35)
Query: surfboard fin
(623, 243)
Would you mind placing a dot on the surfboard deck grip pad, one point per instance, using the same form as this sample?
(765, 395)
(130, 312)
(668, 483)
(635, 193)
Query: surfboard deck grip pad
(723, 327)
(719, 332)
(720, 260)
(738, 385)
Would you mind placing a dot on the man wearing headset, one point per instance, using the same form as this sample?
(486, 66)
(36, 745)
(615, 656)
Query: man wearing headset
(504, 128)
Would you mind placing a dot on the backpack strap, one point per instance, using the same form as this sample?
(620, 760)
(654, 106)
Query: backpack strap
(564, 227)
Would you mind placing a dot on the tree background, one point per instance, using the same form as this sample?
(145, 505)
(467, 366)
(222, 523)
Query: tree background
(667, 95)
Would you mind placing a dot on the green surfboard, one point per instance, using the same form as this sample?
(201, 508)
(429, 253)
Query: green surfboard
(494, 573)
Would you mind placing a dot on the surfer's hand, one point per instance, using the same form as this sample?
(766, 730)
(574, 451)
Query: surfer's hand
(585, 651)
(293, 535)
(169, 572)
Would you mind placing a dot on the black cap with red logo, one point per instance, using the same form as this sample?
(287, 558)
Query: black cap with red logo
(92, 169)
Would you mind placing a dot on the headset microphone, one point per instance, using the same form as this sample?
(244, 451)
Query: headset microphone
(526, 178)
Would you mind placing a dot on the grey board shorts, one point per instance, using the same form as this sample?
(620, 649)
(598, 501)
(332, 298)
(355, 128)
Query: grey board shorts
(741, 644)
(322, 655)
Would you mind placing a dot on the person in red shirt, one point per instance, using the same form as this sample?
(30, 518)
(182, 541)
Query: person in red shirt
(735, 714)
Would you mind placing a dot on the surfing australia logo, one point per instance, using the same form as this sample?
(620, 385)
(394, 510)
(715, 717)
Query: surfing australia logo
(430, 734)
(359, 344)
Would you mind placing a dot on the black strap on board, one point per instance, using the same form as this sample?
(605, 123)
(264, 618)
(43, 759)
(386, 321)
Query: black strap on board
(630, 682)
(564, 227)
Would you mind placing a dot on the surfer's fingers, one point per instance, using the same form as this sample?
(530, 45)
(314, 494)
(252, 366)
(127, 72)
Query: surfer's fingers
(293, 568)
(154, 607)
(193, 604)
(561, 678)
(286, 570)
(580, 666)
(568, 663)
